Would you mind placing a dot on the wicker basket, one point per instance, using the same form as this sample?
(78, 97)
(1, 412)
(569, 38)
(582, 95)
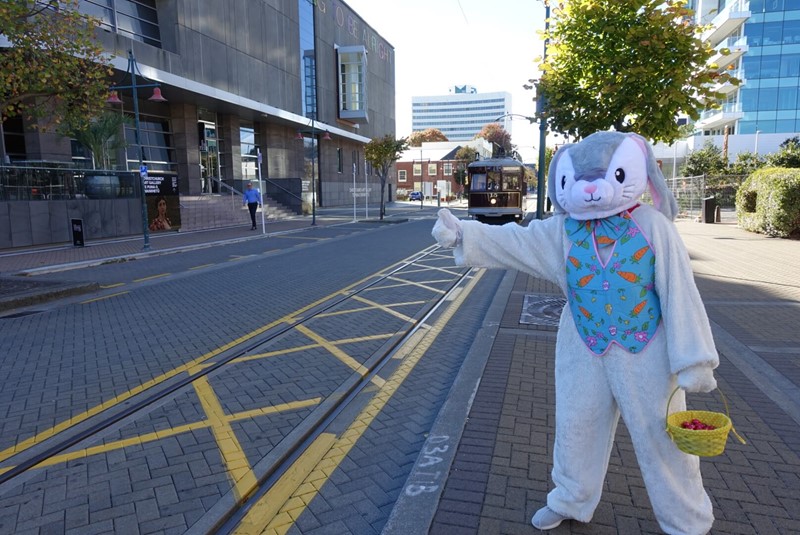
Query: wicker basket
(701, 442)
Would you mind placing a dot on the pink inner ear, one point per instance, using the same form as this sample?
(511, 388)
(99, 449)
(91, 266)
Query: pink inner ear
(653, 192)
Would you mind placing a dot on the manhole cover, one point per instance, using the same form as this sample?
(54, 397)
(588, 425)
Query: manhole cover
(542, 309)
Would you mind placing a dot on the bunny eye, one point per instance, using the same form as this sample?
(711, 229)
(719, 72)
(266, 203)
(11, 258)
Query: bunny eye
(619, 174)
(563, 181)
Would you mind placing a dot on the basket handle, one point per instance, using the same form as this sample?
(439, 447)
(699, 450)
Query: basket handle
(727, 412)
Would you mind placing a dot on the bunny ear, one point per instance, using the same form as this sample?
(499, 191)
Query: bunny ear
(551, 178)
(663, 199)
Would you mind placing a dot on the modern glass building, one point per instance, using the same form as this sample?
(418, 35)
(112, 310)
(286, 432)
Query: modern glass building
(763, 37)
(461, 114)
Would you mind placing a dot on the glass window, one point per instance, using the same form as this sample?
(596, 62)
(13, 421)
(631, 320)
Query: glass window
(791, 32)
(773, 33)
(511, 181)
(448, 169)
(770, 66)
(768, 98)
(787, 98)
(432, 169)
(790, 65)
(754, 33)
(402, 175)
(249, 151)
(352, 67)
(747, 127)
(749, 99)
(478, 182)
(137, 19)
(766, 127)
(417, 169)
(773, 5)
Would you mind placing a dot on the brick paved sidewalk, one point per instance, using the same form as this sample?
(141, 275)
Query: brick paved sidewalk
(500, 473)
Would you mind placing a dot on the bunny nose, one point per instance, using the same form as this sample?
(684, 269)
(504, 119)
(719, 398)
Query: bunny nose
(590, 188)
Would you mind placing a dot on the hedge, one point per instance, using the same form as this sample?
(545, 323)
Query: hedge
(768, 202)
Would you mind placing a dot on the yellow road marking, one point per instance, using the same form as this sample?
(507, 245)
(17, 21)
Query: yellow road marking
(286, 484)
(165, 433)
(343, 341)
(190, 367)
(233, 455)
(413, 283)
(200, 267)
(100, 299)
(262, 517)
(151, 277)
(108, 286)
(339, 354)
(385, 308)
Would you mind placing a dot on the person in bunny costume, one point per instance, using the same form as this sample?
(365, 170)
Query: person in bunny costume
(633, 328)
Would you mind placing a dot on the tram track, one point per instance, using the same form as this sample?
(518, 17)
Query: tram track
(94, 427)
(231, 523)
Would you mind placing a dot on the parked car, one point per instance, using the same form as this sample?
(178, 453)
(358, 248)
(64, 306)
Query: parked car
(415, 196)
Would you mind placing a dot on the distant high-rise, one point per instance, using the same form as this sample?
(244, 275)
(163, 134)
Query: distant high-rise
(460, 114)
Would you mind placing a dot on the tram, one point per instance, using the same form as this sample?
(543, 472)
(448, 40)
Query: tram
(497, 189)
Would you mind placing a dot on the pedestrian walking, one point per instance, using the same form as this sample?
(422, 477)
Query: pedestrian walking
(252, 198)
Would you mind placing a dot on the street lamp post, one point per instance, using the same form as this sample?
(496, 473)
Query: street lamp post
(326, 137)
(113, 98)
(540, 108)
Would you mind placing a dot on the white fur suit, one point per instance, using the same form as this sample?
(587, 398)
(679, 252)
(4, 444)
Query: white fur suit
(593, 390)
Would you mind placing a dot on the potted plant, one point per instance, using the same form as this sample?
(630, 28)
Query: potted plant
(103, 136)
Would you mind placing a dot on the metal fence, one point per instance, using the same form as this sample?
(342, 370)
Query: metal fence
(53, 182)
(690, 191)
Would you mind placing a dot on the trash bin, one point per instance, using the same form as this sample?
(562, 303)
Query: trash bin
(709, 210)
(77, 233)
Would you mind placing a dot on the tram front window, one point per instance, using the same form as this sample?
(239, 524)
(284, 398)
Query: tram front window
(478, 182)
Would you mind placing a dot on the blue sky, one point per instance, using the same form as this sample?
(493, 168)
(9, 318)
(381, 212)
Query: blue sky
(490, 45)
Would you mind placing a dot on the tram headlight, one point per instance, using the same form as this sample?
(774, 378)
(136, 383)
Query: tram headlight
(493, 200)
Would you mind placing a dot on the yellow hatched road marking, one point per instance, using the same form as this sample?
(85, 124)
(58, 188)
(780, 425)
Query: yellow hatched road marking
(108, 286)
(151, 277)
(190, 367)
(385, 308)
(413, 283)
(262, 517)
(339, 354)
(165, 433)
(100, 299)
(233, 455)
(343, 341)
(200, 267)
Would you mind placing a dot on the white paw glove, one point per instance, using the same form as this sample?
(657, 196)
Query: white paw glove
(697, 378)
(447, 230)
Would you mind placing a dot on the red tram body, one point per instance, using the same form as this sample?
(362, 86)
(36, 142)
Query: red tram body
(497, 189)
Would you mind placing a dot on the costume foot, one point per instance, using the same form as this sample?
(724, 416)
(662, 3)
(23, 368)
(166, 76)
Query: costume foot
(545, 518)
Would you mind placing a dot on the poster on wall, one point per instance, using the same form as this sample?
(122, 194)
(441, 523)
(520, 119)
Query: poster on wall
(163, 202)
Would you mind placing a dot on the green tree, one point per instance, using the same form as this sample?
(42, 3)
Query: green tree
(499, 136)
(630, 65)
(787, 156)
(746, 163)
(430, 134)
(464, 155)
(102, 136)
(381, 153)
(53, 67)
(706, 161)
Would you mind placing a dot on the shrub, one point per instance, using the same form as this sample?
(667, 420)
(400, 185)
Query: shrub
(769, 202)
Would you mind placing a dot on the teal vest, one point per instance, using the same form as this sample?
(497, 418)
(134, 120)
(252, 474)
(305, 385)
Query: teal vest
(614, 302)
